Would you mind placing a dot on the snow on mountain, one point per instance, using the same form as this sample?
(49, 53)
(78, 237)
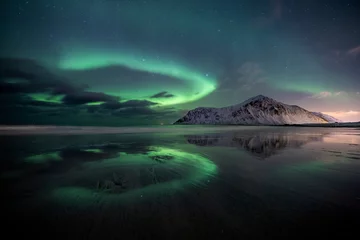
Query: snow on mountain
(327, 118)
(259, 110)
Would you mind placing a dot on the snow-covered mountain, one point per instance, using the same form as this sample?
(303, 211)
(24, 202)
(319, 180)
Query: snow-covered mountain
(257, 110)
(328, 118)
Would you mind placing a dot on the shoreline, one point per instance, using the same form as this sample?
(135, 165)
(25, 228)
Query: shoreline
(51, 129)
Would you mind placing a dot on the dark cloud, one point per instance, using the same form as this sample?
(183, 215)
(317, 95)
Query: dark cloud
(134, 111)
(20, 67)
(8, 88)
(21, 77)
(163, 94)
(14, 73)
(127, 108)
(87, 97)
(40, 80)
(354, 52)
(127, 104)
(35, 78)
(41, 103)
(138, 103)
(145, 112)
(21, 100)
(133, 108)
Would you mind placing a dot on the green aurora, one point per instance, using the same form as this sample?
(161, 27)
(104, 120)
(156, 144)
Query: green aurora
(199, 84)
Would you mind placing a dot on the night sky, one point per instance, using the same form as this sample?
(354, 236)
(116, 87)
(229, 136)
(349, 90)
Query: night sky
(135, 62)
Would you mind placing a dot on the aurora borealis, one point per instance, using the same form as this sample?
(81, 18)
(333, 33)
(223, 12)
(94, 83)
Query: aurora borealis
(114, 63)
(197, 85)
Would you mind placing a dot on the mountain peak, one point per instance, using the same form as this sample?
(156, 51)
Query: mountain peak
(258, 98)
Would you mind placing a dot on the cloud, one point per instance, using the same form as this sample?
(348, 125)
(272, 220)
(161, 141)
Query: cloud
(354, 51)
(131, 108)
(135, 112)
(322, 95)
(147, 112)
(347, 116)
(163, 94)
(339, 93)
(38, 79)
(127, 104)
(136, 109)
(14, 73)
(326, 94)
(87, 97)
(23, 80)
(27, 76)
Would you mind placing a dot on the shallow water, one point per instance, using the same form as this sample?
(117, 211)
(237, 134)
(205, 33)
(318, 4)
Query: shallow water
(182, 182)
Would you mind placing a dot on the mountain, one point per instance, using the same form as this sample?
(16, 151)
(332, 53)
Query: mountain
(259, 110)
(328, 118)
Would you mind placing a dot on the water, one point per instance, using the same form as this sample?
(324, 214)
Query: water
(181, 183)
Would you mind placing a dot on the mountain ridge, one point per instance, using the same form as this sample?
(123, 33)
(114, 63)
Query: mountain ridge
(327, 117)
(258, 110)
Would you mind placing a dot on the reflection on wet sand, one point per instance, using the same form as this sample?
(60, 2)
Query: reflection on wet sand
(261, 145)
(132, 177)
(118, 171)
(201, 185)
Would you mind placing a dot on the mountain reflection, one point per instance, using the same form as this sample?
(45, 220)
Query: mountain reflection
(260, 145)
